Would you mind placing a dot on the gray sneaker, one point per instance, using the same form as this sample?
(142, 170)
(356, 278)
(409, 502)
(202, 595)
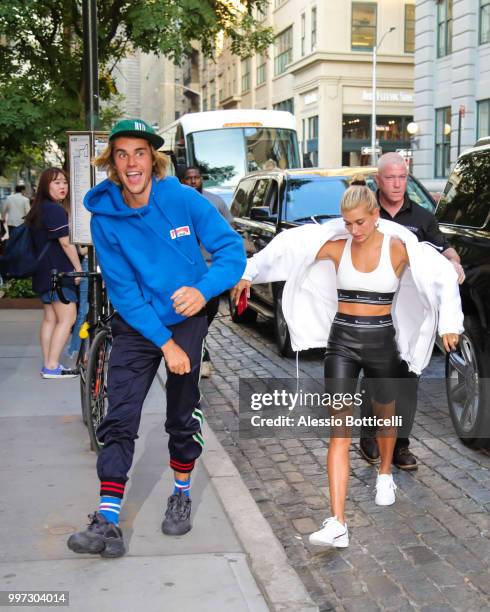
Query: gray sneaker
(101, 536)
(177, 519)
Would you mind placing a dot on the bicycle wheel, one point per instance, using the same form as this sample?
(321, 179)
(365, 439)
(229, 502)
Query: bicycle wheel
(82, 361)
(95, 396)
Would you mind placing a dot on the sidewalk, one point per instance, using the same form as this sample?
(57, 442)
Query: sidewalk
(230, 561)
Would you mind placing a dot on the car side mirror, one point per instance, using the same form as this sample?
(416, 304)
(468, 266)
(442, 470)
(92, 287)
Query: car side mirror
(260, 213)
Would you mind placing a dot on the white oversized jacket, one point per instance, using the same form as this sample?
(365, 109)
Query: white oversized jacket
(427, 300)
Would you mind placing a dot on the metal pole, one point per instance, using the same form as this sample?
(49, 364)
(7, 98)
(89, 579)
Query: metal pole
(91, 85)
(90, 64)
(374, 160)
(374, 155)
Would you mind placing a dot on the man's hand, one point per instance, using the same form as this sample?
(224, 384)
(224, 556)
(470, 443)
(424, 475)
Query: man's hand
(450, 342)
(459, 270)
(176, 358)
(238, 288)
(188, 301)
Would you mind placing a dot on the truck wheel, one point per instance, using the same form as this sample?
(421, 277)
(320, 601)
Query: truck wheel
(468, 387)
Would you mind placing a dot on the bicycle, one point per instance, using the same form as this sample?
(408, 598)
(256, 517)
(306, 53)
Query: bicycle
(94, 352)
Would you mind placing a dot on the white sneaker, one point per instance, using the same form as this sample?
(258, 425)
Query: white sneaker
(385, 490)
(206, 369)
(332, 533)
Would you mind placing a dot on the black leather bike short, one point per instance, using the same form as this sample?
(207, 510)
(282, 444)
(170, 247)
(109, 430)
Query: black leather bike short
(362, 343)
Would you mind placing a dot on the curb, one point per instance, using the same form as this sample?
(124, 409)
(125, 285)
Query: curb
(279, 583)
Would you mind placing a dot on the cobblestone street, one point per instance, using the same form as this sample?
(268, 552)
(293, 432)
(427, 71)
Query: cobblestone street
(429, 551)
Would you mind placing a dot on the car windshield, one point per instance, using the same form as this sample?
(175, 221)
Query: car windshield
(314, 196)
(320, 196)
(225, 155)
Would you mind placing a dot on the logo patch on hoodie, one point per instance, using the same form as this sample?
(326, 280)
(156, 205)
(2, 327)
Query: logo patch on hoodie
(183, 231)
(180, 231)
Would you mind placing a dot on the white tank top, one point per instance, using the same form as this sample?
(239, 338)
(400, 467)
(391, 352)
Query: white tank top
(381, 280)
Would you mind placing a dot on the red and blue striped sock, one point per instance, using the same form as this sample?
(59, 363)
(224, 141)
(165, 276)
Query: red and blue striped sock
(110, 508)
(182, 485)
(111, 494)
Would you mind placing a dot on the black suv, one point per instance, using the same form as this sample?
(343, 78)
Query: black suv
(267, 202)
(464, 216)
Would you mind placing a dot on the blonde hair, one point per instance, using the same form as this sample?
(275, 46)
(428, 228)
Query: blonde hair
(358, 193)
(105, 160)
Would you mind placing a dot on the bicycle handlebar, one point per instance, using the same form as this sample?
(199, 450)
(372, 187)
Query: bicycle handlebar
(56, 278)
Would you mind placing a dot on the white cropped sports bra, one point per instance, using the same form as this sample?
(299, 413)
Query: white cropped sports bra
(376, 287)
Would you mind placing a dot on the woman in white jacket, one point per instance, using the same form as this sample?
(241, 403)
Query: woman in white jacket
(364, 267)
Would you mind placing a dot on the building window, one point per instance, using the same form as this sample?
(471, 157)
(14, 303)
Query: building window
(261, 63)
(363, 30)
(389, 129)
(483, 118)
(303, 34)
(484, 21)
(283, 50)
(443, 142)
(245, 75)
(444, 27)
(313, 28)
(410, 28)
(285, 105)
(212, 95)
(204, 99)
(312, 142)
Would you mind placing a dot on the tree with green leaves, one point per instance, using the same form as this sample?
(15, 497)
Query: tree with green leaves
(41, 51)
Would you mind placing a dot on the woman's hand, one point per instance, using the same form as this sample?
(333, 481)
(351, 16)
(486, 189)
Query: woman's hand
(450, 342)
(236, 292)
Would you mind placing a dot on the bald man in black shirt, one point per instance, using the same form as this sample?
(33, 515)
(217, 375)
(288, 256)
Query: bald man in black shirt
(395, 205)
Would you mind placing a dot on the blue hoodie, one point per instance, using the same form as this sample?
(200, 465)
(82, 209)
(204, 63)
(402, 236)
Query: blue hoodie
(147, 253)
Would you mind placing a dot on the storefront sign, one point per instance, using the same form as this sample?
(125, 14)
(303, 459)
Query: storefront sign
(387, 96)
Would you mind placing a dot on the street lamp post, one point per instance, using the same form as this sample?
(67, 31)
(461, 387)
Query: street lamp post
(374, 156)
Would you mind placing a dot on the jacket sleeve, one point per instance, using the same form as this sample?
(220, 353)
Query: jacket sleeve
(275, 262)
(221, 241)
(123, 288)
(447, 291)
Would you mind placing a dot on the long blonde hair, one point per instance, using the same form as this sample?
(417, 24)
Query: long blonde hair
(358, 193)
(105, 160)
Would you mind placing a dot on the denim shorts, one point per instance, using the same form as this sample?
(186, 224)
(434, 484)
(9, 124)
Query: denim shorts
(69, 293)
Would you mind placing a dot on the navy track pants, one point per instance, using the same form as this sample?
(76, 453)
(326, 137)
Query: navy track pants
(133, 365)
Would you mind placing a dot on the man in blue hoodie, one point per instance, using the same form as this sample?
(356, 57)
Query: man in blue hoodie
(147, 229)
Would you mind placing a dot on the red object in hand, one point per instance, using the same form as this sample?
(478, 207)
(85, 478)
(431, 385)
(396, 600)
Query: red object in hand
(242, 303)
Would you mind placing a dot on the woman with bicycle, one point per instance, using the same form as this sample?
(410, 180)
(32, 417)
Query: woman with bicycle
(48, 222)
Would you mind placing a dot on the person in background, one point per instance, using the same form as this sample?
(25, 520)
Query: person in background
(193, 177)
(48, 222)
(396, 205)
(15, 208)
